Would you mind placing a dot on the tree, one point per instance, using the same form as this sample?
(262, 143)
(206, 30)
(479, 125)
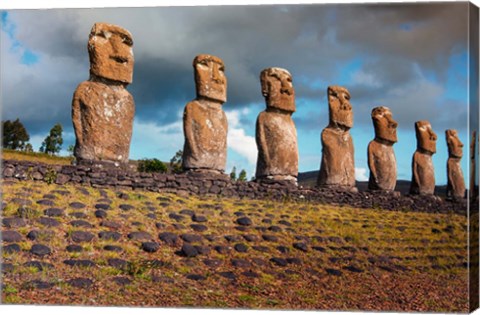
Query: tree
(15, 136)
(176, 162)
(70, 149)
(53, 142)
(28, 148)
(233, 173)
(242, 176)
(151, 166)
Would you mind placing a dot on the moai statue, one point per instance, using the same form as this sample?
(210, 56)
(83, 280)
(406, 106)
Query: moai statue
(456, 182)
(102, 109)
(423, 175)
(205, 124)
(381, 158)
(276, 135)
(337, 168)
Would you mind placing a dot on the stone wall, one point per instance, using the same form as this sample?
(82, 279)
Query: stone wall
(220, 185)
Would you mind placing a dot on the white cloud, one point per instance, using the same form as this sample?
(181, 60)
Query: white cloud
(361, 174)
(363, 78)
(237, 139)
(152, 141)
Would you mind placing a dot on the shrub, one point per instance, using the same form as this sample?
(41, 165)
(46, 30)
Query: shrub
(151, 166)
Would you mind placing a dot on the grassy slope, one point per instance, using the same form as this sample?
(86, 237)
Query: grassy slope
(35, 156)
(408, 261)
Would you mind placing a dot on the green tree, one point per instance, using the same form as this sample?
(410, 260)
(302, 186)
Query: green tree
(151, 166)
(176, 162)
(242, 176)
(233, 173)
(28, 147)
(53, 142)
(14, 136)
(70, 149)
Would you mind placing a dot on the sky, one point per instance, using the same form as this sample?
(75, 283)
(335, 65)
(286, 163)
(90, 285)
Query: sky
(404, 56)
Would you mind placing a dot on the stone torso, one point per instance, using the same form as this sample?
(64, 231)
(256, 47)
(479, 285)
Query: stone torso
(423, 175)
(276, 138)
(337, 166)
(383, 166)
(102, 119)
(456, 182)
(205, 128)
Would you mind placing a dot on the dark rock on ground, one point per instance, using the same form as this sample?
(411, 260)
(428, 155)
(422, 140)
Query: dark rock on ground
(77, 205)
(169, 238)
(333, 272)
(113, 248)
(48, 222)
(81, 236)
(81, 283)
(13, 222)
(195, 277)
(121, 280)
(244, 221)
(241, 248)
(279, 261)
(74, 248)
(40, 250)
(150, 247)
(228, 274)
(101, 214)
(11, 248)
(11, 236)
(108, 235)
(191, 238)
(81, 223)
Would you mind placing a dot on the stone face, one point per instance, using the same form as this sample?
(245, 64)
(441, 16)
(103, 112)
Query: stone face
(102, 109)
(337, 168)
(423, 175)
(381, 157)
(205, 124)
(110, 52)
(455, 179)
(276, 136)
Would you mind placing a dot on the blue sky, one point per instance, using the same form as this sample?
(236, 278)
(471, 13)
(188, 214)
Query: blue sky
(386, 55)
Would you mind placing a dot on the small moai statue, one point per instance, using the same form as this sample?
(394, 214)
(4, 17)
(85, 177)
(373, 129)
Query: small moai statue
(381, 157)
(205, 124)
(423, 175)
(102, 109)
(455, 181)
(337, 169)
(276, 135)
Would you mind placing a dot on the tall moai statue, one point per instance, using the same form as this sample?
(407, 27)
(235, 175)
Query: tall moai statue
(337, 168)
(423, 175)
(102, 109)
(205, 124)
(455, 181)
(381, 157)
(276, 135)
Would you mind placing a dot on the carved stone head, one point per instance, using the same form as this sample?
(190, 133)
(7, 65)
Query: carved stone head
(455, 146)
(426, 138)
(340, 110)
(277, 89)
(210, 79)
(385, 126)
(110, 51)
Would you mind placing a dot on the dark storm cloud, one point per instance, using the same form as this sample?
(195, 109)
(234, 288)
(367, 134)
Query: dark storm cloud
(314, 42)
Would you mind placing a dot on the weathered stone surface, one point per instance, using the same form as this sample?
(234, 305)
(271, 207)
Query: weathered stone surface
(423, 175)
(276, 136)
(102, 109)
(455, 179)
(381, 157)
(205, 124)
(337, 168)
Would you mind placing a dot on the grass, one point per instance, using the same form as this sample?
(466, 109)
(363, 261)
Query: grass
(430, 277)
(8, 154)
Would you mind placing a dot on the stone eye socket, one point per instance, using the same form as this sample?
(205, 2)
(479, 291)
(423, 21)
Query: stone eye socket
(222, 68)
(347, 97)
(127, 40)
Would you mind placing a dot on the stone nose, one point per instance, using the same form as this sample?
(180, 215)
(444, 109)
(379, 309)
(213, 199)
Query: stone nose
(433, 136)
(392, 123)
(216, 76)
(345, 105)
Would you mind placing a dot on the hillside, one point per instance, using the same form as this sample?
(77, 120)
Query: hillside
(81, 245)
